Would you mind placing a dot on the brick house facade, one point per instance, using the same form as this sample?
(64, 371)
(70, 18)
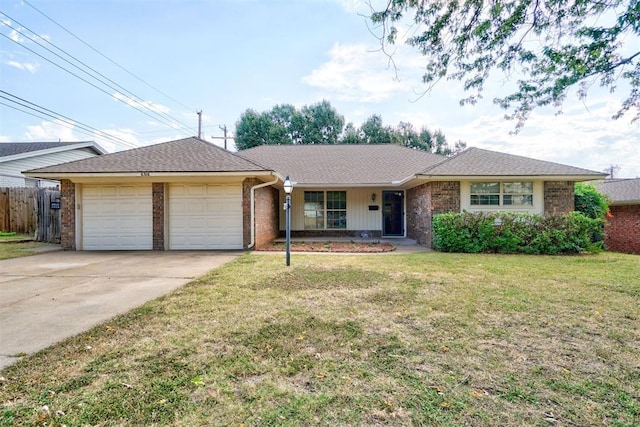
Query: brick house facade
(381, 190)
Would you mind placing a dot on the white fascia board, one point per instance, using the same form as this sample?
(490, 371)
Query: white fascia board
(576, 178)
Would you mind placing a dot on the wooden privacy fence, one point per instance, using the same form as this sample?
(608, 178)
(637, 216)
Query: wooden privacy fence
(30, 210)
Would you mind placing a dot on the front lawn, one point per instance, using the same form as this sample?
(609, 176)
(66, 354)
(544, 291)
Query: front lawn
(421, 339)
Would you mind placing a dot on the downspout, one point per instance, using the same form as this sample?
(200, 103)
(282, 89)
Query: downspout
(253, 207)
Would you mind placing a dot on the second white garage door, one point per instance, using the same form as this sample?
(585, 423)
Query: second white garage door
(205, 216)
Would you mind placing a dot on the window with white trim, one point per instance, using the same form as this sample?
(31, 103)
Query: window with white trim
(325, 210)
(502, 193)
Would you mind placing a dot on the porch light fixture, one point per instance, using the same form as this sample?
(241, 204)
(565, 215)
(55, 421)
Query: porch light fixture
(288, 188)
(373, 197)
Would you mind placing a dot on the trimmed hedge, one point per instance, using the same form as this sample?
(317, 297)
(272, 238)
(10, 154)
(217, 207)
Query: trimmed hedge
(509, 232)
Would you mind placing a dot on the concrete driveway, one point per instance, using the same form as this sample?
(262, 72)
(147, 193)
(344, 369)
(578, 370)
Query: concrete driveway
(51, 296)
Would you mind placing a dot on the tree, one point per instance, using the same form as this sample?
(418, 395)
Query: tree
(284, 124)
(351, 135)
(322, 124)
(373, 132)
(553, 45)
(252, 129)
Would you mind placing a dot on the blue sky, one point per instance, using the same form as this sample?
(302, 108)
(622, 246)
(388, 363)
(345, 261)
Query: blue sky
(223, 57)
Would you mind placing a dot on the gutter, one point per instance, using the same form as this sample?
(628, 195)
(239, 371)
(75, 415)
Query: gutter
(253, 207)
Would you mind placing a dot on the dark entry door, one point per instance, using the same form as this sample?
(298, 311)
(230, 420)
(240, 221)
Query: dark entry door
(393, 213)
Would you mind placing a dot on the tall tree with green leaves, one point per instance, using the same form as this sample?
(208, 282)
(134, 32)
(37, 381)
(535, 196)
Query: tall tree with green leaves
(314, 124)
(322, 124)
(551, 45)
(253, 129)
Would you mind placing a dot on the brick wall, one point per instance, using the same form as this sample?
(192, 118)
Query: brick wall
(68, 215)
(266, 213)
(445, 197)
(426, 200)
(622, 231)
(158, 215)
(558, 197)
(419, 214)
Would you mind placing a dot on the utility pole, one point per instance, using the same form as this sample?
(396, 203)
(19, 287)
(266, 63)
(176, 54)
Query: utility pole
(199, 113)
(224, 129)
(611, 170)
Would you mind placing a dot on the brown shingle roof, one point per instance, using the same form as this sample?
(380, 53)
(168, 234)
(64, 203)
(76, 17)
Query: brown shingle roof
(342, 164)
(479, 162)
(624, 191)
(184, 155)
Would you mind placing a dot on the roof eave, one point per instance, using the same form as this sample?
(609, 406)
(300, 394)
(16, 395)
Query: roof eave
(427, 177)
(624, 202)
(90, 144)
(76, 175)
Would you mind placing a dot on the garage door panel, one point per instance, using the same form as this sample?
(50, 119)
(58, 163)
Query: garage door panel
(117, 217)
(205, 216)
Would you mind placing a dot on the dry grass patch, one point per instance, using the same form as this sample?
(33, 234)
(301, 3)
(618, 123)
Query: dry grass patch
(423, 339)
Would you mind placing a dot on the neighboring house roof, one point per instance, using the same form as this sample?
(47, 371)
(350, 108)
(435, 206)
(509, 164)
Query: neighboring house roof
(479, 162)
(343, 164)
(10, 151)
(621, 192)
(184, 155)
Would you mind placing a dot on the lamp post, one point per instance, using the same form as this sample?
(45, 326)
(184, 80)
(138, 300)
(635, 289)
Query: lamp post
(288, 188)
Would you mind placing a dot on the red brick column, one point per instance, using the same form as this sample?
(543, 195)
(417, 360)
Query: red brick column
(158, 216)
(68, 215)
(427, 200)
(558, 197)
(622, 230)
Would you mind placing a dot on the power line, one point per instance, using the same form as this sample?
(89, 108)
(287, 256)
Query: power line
(62, 118)
(159, 115)
(106, 57)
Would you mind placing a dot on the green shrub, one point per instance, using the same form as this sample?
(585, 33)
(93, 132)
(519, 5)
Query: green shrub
(589, 201)
(509, 232)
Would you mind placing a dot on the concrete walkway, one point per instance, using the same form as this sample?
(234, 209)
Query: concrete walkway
(51, 296)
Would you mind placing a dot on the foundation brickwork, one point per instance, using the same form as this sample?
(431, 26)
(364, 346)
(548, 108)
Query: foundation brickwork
(558, 197)
(622, 230)
(67, 215)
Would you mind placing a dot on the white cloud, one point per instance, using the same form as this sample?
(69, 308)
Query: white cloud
(27, 66)
(580, 137)
(357, 72)
(148, 105)
(50, 131)
(16, 37)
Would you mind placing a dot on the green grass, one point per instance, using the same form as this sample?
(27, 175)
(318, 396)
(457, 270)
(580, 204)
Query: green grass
(422, 339)
(9, 249)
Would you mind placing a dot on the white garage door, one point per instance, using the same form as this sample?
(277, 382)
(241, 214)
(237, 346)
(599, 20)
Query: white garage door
(205, 216)
(117, 217)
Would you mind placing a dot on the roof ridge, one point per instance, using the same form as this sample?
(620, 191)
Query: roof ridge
(235, 154)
